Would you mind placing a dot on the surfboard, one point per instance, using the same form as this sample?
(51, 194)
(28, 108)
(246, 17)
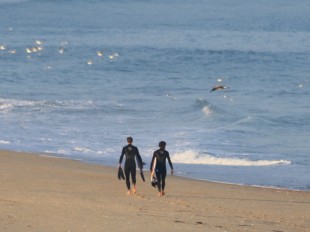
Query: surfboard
(142, 174)
(153, 176)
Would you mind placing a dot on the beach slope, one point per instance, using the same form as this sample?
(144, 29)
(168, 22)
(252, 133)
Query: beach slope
(39, 193)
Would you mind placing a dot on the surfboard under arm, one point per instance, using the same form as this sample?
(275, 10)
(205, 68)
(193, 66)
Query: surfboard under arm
(153, 168)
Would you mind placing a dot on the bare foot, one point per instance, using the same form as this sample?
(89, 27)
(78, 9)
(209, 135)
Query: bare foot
(163, 193)
(128, 192)
(134, 190)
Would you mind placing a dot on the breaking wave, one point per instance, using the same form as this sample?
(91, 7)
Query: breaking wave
(205, 107)
(10, 104)
(192, 157)
(5, 142)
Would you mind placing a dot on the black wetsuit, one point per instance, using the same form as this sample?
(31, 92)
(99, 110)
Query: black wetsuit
(161, 171)
(132, 153)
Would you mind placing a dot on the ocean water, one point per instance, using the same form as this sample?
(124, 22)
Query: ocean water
(78, 77)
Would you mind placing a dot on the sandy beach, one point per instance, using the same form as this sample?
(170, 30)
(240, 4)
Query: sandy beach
(39, 193)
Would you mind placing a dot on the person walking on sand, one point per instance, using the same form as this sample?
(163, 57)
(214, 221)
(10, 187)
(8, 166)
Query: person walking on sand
(160, 156)
(132, 154)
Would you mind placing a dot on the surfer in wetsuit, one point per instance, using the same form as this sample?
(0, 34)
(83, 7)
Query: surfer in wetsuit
(161, 155)
(131, 153)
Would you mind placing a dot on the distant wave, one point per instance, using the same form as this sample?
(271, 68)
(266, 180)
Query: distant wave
(4, 142)
(12, 1)
(207, 110)
(81, 149)
(9, 104)
(192, 157)
(205, 106)
(244, 120)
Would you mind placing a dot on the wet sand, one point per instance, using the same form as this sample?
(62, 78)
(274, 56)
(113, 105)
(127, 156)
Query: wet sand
(39, 193)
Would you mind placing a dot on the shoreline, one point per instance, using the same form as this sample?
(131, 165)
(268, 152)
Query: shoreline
(52, 155)
(59, 156)
(40, 193)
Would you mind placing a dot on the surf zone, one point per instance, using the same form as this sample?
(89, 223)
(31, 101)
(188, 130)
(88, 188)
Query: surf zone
(193, 157)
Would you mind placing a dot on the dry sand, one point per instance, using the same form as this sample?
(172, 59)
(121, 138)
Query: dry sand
(49, 194)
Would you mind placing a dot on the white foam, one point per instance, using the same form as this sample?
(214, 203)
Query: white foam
(8, 104)
(207, 111)
(81, 149)
(245, 120)
(5, 106)
(4, 142)
(192, 157)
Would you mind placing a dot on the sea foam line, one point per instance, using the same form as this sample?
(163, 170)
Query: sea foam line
(5, 142)
(192, 157)
(6, 104)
